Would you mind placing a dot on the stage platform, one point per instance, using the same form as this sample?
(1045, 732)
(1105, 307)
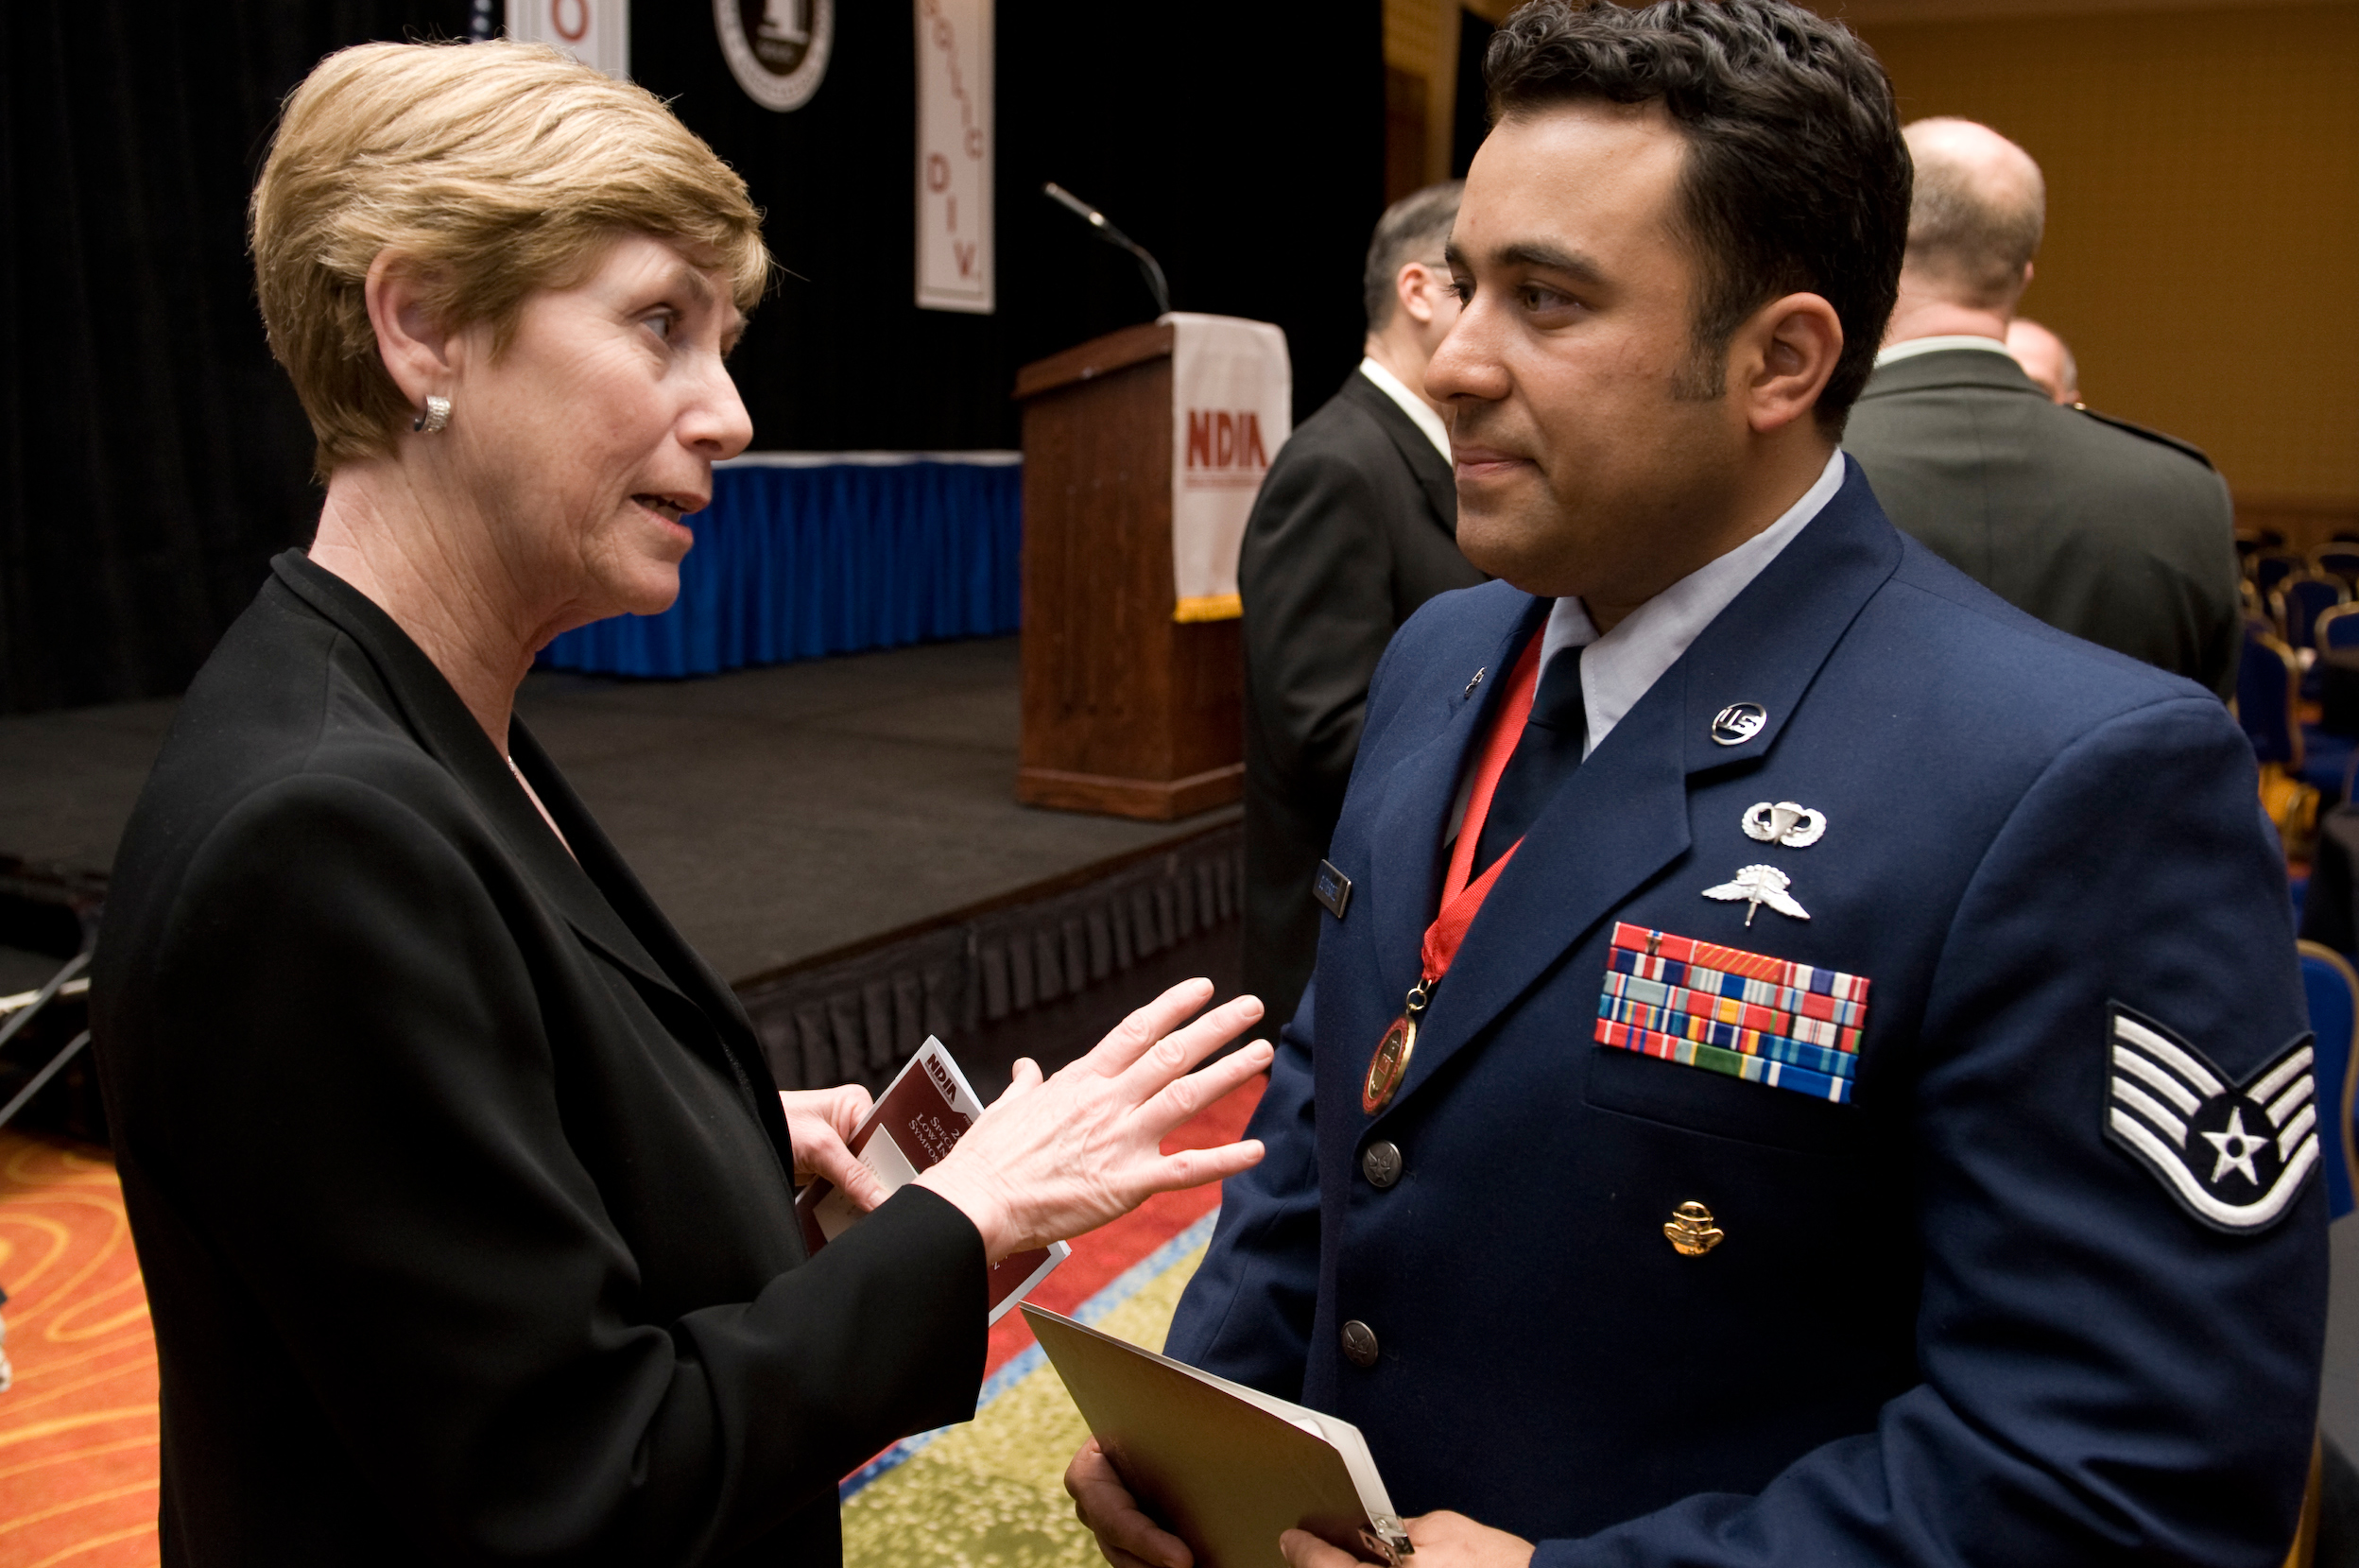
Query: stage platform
(839, 837)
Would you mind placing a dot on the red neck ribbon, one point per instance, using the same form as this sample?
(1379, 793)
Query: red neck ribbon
(1460, 900)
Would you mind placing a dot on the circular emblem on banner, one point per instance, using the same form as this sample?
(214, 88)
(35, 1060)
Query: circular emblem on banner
(777, 49)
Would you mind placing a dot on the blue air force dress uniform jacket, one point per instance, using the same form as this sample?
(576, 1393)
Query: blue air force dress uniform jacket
(2026, 1267)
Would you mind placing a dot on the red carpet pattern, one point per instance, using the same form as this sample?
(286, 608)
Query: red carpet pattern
(78, 1429)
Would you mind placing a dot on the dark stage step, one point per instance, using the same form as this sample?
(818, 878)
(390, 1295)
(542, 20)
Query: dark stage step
(841, 838)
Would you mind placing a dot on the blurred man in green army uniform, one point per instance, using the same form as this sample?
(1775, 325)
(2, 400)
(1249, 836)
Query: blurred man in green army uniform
(2100, 529)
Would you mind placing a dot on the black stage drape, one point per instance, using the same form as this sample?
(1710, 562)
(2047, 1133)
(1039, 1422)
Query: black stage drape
(1471, 121)
(152, 456)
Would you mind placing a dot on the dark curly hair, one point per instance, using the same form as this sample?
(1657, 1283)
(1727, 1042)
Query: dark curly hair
(1796, 179)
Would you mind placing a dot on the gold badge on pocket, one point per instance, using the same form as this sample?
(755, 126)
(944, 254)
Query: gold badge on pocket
(1690, 1231)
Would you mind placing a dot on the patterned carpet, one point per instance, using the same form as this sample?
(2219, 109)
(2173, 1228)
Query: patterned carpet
(77, 1430)
(990, 1493)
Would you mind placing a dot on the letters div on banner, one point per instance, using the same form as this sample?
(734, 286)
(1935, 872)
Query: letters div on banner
(597, 32)
(955, 138)
(1231, 408)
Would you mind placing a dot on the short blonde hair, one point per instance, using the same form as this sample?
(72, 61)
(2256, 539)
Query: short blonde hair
(499, 170)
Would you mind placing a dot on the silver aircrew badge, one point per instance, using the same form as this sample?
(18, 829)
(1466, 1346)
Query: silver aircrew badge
(1795, 827)
(1756, 886)
(2234, 1155)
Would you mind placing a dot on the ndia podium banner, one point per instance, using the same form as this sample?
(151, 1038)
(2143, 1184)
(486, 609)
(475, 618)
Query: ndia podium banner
(1231, 408)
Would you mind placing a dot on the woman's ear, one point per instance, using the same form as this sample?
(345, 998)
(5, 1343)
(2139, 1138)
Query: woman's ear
(1795, 343)
(419, 354)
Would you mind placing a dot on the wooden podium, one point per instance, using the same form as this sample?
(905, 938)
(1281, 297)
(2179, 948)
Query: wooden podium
(1126, 712)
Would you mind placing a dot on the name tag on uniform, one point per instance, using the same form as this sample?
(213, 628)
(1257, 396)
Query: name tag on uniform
(1789, 1025)
(1332, 889)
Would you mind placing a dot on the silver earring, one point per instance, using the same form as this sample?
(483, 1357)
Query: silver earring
(435, 420)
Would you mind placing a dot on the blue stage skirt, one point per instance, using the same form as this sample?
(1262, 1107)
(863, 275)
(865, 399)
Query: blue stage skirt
(800, 557)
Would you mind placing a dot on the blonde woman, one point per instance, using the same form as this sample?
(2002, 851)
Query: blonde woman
(463, 1195)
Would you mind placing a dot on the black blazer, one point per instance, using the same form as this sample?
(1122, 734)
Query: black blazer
(1354, 527)
(460, 1187)
(2100, 529)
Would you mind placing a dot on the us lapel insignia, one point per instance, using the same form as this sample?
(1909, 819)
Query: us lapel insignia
(1748, 1015)
(2234, 1155)
(1756, 886)
(1738, 723)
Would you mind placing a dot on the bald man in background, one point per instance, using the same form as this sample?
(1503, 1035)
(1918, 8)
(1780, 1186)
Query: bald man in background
(2099, 528)
(2046, 358)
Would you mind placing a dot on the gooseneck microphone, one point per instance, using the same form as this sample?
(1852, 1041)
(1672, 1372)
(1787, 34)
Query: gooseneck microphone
(1148, 267)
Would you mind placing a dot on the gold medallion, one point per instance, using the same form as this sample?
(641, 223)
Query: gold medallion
(1389, 1065)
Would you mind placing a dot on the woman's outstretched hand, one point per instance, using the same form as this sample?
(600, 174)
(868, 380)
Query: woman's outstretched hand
(1055, 1157)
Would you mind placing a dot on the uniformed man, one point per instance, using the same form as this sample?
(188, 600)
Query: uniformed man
(2098, 526)
(1354, 527)
(1806, 1063)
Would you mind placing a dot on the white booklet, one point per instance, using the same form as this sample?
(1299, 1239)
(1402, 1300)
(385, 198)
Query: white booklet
(926, 1108)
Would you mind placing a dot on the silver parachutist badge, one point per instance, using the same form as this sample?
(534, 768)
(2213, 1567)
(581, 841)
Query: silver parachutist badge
(1795, 827)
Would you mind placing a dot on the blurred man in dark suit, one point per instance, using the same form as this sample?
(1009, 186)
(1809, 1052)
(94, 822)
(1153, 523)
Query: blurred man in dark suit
(2100, 529)
(1354, 527)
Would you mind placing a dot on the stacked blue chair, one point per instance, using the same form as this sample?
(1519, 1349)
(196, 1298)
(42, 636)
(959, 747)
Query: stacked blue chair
(2335, 635)
(2272, 567)
(2326, 764)
(2332, 990)
(2265, 682)
(2337, 630)
(2300, 600)
(2332, 987)
(2268, 682)
(2338, 558)
(2330, 746)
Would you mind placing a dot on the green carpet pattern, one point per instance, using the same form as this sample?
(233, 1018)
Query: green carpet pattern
(990, 1493)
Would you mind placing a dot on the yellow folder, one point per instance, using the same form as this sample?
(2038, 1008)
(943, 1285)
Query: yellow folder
(1225, 1467)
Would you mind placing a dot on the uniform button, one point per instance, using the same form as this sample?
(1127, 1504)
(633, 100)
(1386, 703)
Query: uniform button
(1359, 1343)
(1381, 1163)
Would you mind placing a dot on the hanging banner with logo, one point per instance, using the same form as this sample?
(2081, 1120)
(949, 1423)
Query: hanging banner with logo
(1231, 408)
(597, 32)
(955, 154)
(777, 49)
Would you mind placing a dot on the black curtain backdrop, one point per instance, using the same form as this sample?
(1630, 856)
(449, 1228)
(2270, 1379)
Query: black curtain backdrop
(152, 458)
(1472, 119)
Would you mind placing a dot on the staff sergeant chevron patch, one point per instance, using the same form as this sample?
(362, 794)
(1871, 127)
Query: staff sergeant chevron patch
(2234, 1154)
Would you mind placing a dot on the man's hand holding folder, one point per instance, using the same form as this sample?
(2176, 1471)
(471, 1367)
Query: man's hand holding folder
(1187, 1470)
(1128, 1539)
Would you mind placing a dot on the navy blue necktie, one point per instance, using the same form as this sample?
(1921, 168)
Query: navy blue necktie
(1546, 755)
